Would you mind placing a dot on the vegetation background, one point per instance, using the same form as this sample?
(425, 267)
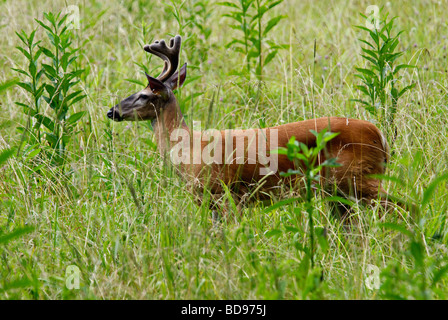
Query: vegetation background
(109, 206)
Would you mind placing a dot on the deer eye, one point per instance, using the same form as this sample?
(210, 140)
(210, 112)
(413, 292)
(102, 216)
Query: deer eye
(144, 96)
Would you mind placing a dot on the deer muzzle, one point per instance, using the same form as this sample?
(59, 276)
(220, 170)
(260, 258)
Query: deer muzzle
(114, 114)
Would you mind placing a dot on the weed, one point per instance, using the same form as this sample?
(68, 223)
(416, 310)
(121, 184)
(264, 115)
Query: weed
(381, 78)
(58, 92)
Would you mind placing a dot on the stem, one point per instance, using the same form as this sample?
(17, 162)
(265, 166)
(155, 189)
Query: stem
(309, 209)
(314, 75)
(246, 36)
(36, 99)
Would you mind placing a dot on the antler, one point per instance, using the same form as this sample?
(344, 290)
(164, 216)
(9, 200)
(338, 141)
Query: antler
(169, 54)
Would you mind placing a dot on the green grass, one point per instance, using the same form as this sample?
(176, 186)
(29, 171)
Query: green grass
(133, 227)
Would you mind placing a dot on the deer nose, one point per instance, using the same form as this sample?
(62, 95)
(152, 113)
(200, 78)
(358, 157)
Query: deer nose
(112, 114)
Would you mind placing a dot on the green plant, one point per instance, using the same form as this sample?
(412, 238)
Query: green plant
(381, 76)
(8, 84)
(247, 16)
(199, 13)
(420, 281)
(306, 161)
(32, 86)
(18, 283)
(57, 91)
(144, 32)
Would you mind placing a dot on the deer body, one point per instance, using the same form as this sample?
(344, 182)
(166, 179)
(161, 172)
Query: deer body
(360, 147)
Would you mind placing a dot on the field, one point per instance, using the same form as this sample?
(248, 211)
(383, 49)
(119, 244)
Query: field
(94, 197)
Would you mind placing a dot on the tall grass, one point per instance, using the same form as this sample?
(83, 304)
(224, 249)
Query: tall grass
(133, 227)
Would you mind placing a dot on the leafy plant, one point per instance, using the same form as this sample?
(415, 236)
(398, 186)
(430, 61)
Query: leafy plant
(248, 17)
(420, 281)
(306, 161)
(8, 84)
(58, 88)
(198, 14)
(32, 86)
(381, 75)
(5, 155)
(4, 239)
(144, 31)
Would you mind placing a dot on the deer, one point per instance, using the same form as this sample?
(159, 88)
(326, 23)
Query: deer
(360, 148)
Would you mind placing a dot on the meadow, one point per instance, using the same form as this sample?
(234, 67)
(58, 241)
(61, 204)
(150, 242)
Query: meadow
(81, 192)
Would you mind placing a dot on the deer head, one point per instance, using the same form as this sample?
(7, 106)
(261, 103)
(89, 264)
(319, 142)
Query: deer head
(149, 103)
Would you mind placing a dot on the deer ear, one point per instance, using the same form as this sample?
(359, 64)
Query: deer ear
(156, 85)
(178, 78)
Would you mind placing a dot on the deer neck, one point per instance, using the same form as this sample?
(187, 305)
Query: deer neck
(169, 119)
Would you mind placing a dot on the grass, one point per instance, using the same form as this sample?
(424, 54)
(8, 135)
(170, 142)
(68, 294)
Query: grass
(132, 226)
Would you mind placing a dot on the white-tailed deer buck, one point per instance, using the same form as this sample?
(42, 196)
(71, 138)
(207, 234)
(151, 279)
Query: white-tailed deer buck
(360, 148)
